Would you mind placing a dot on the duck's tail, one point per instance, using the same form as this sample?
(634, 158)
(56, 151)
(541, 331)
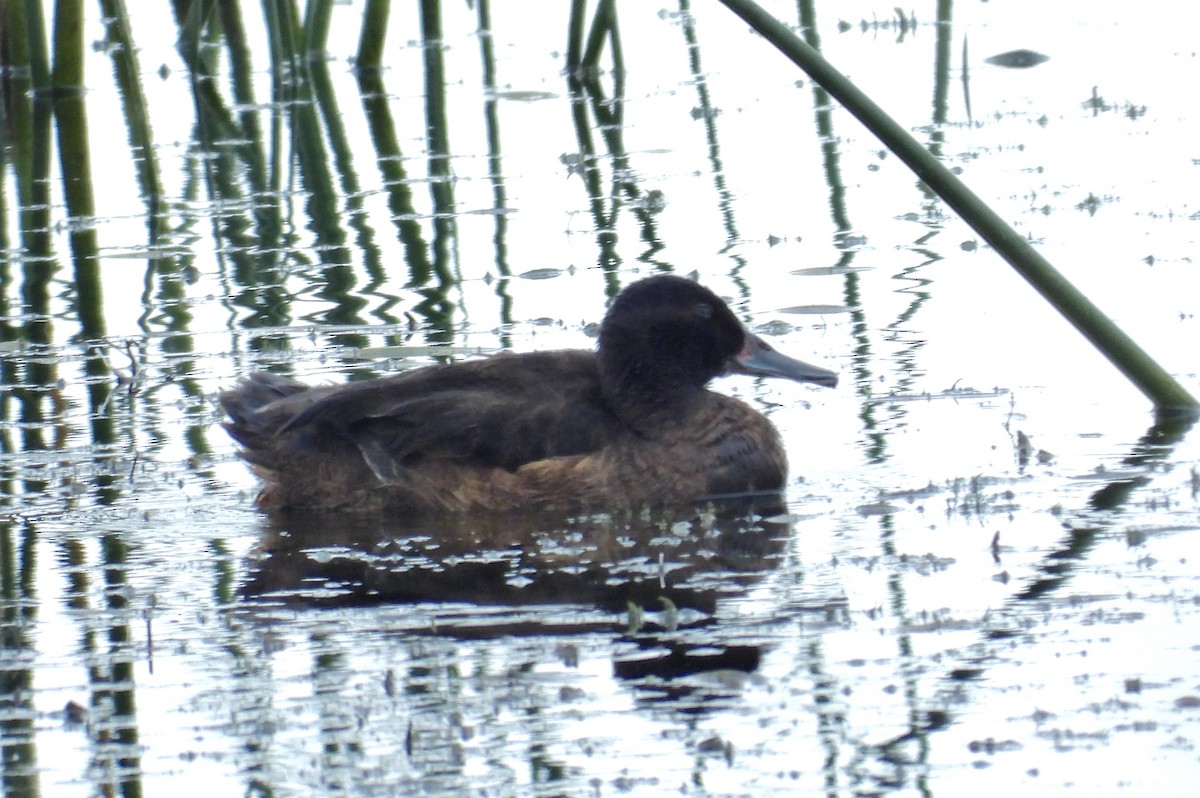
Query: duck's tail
(255, 409)
(307, 466)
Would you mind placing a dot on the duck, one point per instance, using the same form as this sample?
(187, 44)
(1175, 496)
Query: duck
(629, 425)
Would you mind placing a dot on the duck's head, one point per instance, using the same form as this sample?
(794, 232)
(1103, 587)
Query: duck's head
(666, 337)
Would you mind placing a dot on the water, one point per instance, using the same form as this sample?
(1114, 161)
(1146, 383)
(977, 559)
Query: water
(982, 573)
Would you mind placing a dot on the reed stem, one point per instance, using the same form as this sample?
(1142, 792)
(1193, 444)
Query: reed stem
(1137, 366)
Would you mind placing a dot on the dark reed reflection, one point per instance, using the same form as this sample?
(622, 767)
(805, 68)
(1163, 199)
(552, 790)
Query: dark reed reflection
(18, 618)
(107, 638)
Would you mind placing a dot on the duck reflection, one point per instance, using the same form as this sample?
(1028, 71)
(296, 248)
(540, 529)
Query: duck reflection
(681, 560)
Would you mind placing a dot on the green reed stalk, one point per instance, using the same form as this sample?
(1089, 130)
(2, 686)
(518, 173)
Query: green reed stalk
(192, 23)
(374, 34)
(316, 27)
(437, 126)
(72, 121)
(324, 213)
(26, 119)
(68, 46)
(282, 32)
(575, 35)
(30, 49)
(1149, 377)
(390, 162)
(137, 120)
(491, 120)
(70, 113)
(604, 26)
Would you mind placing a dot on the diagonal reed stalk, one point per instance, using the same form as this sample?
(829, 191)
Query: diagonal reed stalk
(1137, 366)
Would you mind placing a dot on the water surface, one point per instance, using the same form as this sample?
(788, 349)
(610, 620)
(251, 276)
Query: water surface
(982, 573)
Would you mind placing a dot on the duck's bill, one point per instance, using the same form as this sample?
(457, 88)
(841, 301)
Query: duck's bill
(760, 359)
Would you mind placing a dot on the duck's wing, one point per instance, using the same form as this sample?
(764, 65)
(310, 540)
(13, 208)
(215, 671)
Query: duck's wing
(478, 428)
(501, 412)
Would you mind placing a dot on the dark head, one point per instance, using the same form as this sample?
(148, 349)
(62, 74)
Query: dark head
(666, 337)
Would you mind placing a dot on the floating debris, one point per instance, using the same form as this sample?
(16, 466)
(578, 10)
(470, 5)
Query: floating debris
(407, 352)
(1027, 451)
(540, 274)
(815, 310)
(653, 201)
(524, 96)
(828, 270)
(74, 714)
(1017, 59)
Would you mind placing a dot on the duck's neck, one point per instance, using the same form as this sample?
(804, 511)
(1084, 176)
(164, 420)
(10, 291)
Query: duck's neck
(653, 378)
(651, 409)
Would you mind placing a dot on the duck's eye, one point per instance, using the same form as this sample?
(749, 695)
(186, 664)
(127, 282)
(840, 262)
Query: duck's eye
(704, 310)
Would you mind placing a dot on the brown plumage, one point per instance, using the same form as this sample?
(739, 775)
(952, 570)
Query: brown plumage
(627, 426)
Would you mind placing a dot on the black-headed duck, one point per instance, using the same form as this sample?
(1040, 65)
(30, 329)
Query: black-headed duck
(629, 425)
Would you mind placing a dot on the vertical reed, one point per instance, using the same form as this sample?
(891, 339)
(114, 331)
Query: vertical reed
(374, 34)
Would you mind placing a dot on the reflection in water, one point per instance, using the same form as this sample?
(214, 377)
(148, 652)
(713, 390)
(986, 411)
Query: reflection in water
(144, 650)
(1155, 448)
(653, 587)
(686, 561)
(17, 652)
